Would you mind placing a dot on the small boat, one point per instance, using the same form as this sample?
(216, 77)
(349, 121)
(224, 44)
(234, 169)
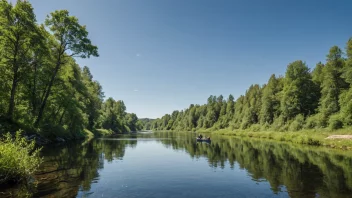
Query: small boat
(203, 140)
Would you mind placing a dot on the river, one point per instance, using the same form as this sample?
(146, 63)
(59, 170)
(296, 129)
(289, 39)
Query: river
(169, 164)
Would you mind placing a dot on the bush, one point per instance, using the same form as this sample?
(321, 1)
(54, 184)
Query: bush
(18, 158)
(255, 127)
(312, 122)
(335, 122)
(102, 132)
(234, 125)
(278, 124)
(265, 127)
(297, 123)
(245, 124)
(53, 131)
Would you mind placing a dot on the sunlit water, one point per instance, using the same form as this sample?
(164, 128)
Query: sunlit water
(175, 165)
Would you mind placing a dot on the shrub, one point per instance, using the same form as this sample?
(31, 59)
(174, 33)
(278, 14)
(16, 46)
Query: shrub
(312, 122)
(245, 124)
(18, 158)
(335, 122)
(51, 131)
(102, 132)
(234, 125)
(255, 127)
(279, 124)
(297, 123)
(265, 127)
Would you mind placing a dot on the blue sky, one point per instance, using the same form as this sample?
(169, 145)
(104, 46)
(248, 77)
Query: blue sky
(163, 55)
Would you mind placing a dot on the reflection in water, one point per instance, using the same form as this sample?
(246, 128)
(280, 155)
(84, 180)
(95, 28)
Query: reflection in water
(304, 171)
(301, 171)
(67, 170)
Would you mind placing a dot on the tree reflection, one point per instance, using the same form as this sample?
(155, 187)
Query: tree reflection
(304, 171)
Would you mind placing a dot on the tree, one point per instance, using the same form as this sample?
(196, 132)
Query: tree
(270, 101)
(332, 84)
(132, 122)
(346, 97)
(94, 97)
(299, 92)
(251, 106)
(17, 32)
(317, 74)
(70, 40)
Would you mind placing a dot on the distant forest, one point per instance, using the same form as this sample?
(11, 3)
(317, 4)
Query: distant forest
(147, 123)
(302, 99)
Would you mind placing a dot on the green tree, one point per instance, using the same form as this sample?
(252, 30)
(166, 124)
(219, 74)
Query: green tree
(270, 101)
(17, 37)
(317, 74)
(94, 97)
(346, 96)
(251, 106)
(299, 92)
(70, 40)
(332, 84)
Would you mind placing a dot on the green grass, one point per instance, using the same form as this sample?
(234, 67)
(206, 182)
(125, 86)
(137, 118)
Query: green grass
(309, 137)
(18, 159)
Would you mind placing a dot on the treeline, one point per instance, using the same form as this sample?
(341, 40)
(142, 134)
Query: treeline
(42, 88)
(147, 123)
(302, 99)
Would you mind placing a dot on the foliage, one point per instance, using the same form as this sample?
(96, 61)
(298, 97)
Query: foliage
(335, 122)
(18, 158)
(298, 123)
(147, 123)
(299, 100)
(43, 89)
(115, 118)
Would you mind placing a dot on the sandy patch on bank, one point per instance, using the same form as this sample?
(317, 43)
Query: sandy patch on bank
(339, 137)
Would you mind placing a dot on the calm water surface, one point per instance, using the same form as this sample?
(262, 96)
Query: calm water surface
(175, 165)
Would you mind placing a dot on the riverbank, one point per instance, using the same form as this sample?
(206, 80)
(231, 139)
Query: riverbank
(50, 134)
(321, 137)
(337, 139)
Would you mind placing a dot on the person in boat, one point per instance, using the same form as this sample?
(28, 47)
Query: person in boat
(200, 136)
(208, 138)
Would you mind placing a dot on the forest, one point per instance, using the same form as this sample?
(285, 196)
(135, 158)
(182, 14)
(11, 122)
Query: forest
(43, 89)
(301, 99)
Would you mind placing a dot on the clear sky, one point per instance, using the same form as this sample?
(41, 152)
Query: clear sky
(162, 55)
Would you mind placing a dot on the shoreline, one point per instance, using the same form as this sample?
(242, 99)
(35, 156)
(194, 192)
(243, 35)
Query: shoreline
(308, 137)
(318, 137)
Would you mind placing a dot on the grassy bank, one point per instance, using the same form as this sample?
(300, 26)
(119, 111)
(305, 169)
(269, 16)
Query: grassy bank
(315, 137)
(309, 137)
(19, 159)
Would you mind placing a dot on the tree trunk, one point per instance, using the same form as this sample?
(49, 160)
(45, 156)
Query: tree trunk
(14, 82)
(34, 90)
(47, 93)
(12, 97)
(62, 116)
